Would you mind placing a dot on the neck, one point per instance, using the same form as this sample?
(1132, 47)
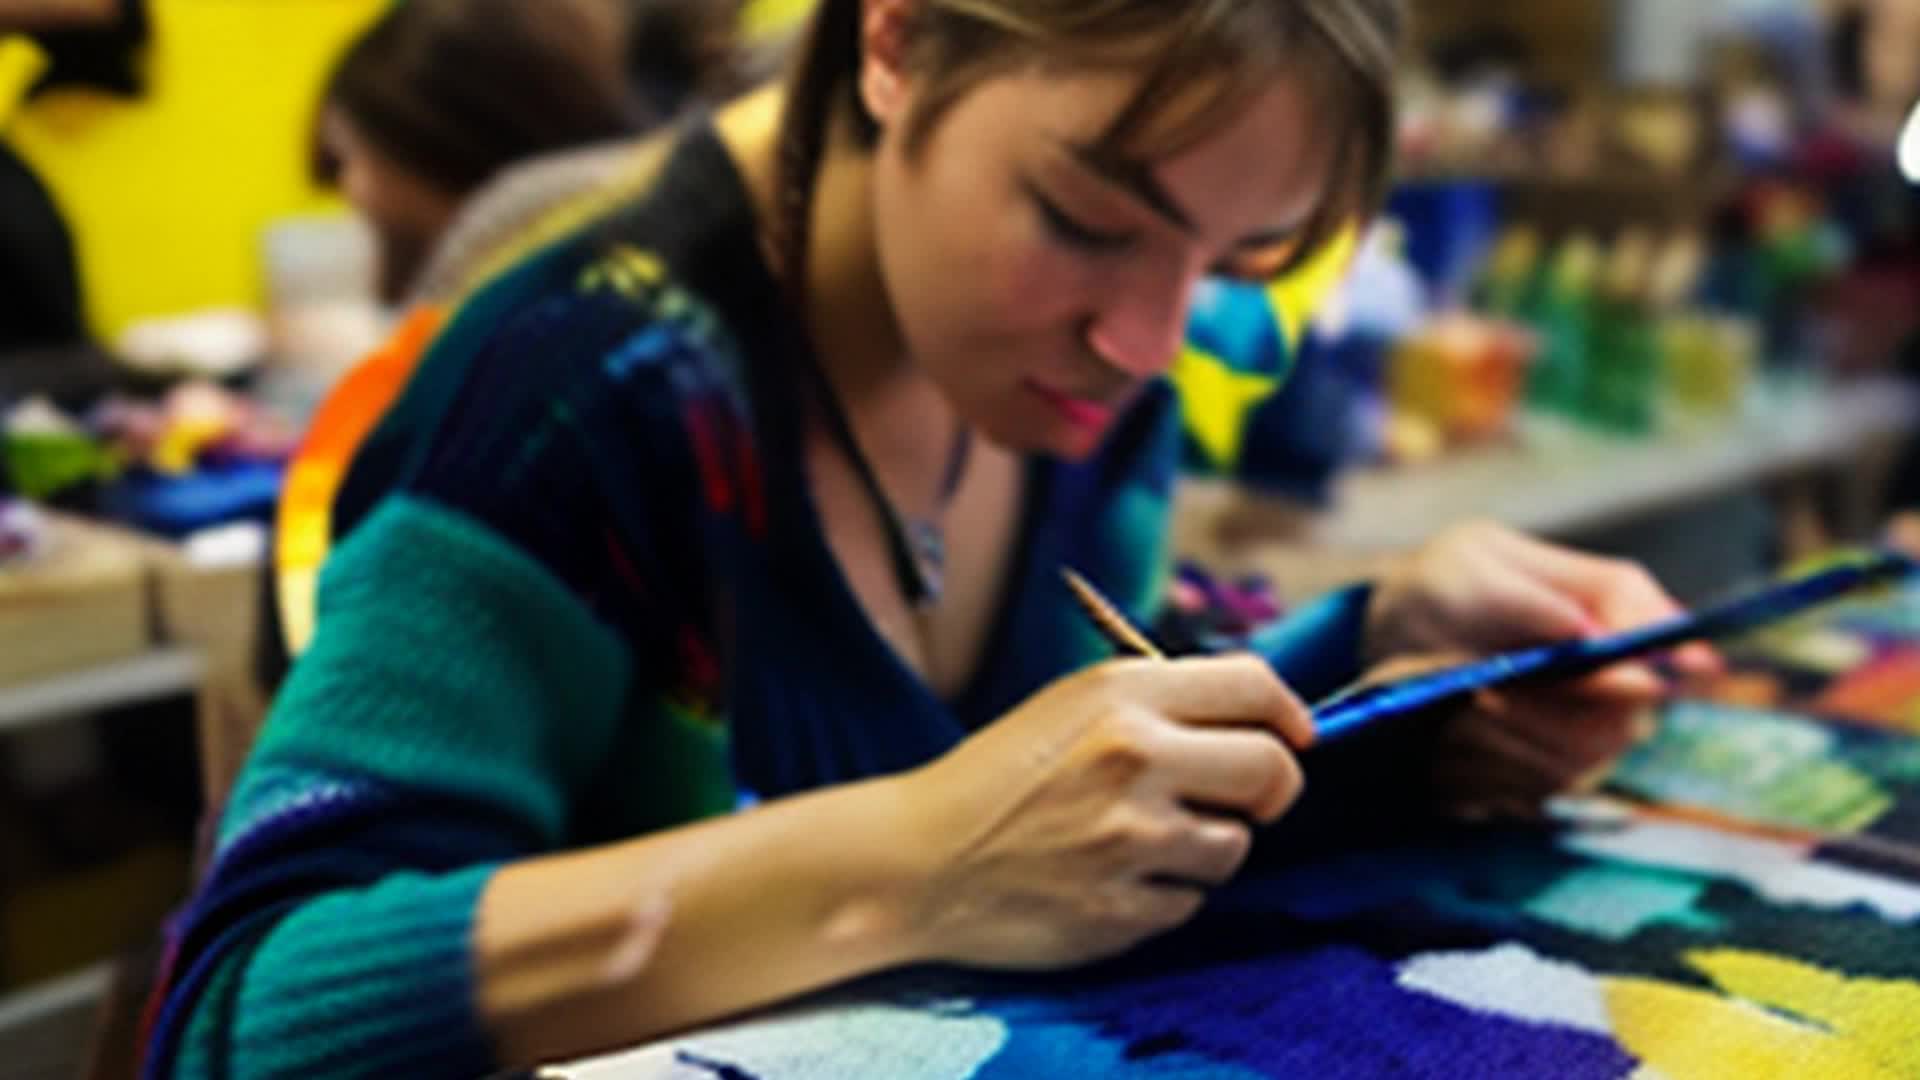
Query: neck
(849, 311)
(849, 314)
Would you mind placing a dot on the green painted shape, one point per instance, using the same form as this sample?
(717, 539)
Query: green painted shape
(1615, 902)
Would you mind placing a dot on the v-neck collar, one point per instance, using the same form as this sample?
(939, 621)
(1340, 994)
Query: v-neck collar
(732, 270)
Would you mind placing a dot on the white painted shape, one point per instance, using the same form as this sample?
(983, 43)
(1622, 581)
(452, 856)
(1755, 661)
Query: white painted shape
(822, 1043)
(1777, 871)
(1513, 982)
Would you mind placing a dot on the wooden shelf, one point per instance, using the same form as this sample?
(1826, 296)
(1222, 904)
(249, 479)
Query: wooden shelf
(1562, 483)
(1578, 480)
(44, 1028)
(153, 676)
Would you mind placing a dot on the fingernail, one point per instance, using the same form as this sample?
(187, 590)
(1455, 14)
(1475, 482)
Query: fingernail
(1632, 683)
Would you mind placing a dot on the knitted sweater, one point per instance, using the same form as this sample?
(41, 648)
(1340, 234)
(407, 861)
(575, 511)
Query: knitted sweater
(601, 603)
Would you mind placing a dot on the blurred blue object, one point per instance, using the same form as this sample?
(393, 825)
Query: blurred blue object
(213, 495)
(1236, 322)
(1289, 417)
(1450, 227)
(1297, 441)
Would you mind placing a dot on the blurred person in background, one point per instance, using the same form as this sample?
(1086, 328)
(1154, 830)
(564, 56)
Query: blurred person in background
(46, 44)
(439, 96)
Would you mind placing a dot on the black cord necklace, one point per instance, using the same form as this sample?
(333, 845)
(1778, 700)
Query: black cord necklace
(918, 545)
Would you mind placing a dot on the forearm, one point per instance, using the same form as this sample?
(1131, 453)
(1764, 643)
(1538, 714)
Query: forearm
(766, 905)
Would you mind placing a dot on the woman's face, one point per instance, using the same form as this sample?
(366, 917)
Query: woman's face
(1042, 288)
(407, 212)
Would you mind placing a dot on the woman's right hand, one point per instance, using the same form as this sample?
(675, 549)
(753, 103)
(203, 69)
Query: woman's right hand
(1096, 814)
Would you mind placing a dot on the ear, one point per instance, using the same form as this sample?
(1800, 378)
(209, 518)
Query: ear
(883, 58)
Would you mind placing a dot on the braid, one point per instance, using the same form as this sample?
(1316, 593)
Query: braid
(829, 65)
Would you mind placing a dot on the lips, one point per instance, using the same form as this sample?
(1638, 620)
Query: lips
(1081, 412)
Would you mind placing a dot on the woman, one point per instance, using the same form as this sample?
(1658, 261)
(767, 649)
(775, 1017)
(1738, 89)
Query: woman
(757, 495)
(438, 97)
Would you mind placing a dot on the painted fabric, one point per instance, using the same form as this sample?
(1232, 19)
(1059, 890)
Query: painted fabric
(1749, 929)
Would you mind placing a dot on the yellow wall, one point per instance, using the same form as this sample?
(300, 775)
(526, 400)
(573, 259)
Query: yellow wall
(168, 195)
(773, 16)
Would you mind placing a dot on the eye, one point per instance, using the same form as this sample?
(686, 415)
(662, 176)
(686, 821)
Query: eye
(1259, 266)
(1070, 232)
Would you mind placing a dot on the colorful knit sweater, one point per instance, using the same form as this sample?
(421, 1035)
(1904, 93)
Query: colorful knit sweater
(601, 603)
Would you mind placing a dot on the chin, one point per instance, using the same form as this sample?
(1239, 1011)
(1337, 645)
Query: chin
(1061, 441)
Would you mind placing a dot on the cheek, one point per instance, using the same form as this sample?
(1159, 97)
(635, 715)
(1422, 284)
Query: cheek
(359, 188)
(1021, 284)
(1049, 284)
(984, 296)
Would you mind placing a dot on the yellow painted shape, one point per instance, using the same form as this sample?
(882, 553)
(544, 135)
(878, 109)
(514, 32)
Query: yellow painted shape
(21, 62)
(626, 270)
(1296, 296)
(1216, 401)
(1688, 1034)
(1880, 1017)
(168, 194)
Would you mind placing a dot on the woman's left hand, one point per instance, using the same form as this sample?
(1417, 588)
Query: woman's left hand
(1483, 588)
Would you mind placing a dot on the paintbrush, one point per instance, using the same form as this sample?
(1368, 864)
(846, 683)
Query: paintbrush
(1368, 704)
(1126, 638)
(1365, 705)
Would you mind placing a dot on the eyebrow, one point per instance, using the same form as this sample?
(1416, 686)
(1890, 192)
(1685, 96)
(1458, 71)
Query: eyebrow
(1137, 179)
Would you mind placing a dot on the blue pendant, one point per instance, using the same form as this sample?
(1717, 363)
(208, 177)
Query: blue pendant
(929, 543)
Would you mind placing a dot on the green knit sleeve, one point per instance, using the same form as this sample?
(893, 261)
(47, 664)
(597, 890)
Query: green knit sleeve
(450, 661)
(453, 702)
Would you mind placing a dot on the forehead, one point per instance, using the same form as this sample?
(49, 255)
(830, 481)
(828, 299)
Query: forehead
(1262, 164)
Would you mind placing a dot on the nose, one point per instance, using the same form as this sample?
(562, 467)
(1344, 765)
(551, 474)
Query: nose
(1140, 329)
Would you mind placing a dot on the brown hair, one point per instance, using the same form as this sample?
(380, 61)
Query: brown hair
(455, 90)
(1346, 50)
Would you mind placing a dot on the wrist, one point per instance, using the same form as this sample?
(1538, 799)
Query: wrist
(881, 916)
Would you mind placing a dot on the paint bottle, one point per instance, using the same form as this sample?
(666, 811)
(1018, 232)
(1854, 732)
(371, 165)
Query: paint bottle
(1623, 370)
(1559, 309)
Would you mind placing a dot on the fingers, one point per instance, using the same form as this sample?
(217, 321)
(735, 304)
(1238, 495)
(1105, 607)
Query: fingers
(1625, 684)
(1614, 594)
(1903, 534)
(1213, 690)
(1592, 578)
(1582, 732)
(1543, 746)
(1699, 660)
(1204, 852)
(1413, 666)
(1246, 772)
(1142, 908)
(1526, 609)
